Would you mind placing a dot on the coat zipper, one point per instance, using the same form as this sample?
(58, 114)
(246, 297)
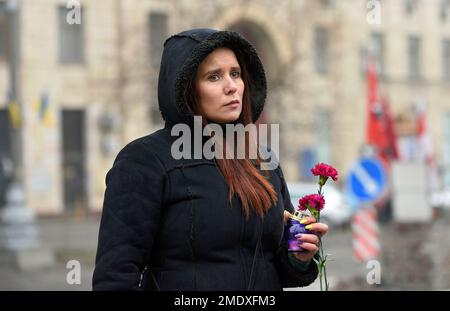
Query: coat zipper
(141, 278)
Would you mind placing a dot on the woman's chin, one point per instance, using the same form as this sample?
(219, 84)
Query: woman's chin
(226, 119)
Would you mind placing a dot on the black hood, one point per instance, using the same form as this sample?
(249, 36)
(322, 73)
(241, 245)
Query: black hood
(181, 57)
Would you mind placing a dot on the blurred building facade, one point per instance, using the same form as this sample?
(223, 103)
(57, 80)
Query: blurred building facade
(88, 81)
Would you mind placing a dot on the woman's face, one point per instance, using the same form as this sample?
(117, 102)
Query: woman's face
(219, 86)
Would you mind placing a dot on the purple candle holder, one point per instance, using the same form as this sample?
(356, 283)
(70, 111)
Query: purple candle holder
(292, 228)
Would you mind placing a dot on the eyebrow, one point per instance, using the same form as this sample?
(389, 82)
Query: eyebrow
(219, 70)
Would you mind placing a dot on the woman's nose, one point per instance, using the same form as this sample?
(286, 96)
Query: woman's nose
(230, 86)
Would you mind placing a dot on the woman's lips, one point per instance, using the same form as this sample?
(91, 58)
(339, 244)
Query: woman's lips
(233, 104)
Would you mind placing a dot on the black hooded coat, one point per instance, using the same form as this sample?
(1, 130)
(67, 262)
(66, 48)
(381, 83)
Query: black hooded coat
(166, 223)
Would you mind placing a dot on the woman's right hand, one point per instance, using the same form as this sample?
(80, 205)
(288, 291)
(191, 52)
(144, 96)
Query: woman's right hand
(309, 241)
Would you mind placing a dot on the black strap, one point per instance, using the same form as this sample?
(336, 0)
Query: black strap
(251, 282)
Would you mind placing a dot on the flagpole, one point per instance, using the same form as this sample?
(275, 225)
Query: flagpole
(13, 96)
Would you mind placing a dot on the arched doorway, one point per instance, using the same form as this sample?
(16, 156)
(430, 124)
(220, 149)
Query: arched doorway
(267, 52)
(266, 49)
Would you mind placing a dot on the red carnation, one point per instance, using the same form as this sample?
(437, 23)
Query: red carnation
(325, 170)
(315, 201)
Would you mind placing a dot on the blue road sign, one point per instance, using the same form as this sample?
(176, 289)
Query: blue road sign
(366, 180)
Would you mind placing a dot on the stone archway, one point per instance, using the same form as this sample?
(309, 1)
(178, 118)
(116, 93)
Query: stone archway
(257, 22)
(267, 52)
(270, 57)
(261, 40)
(275, 50)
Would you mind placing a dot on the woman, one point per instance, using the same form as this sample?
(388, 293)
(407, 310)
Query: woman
(193, 223)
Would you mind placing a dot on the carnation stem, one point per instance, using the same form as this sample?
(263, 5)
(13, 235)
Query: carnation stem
(324, 263)
(322, 260)
(320, 276)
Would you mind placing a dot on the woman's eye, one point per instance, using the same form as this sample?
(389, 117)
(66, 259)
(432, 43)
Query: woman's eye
(236, 74)
(213, 77)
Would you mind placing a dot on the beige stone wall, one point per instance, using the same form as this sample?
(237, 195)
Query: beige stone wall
(90, 86)
(117, 78)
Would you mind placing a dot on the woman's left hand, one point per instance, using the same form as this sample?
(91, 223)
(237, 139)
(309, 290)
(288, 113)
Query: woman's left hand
(309, 242)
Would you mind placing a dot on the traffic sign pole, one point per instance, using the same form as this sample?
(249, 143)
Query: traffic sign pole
(366, 183)
(366, 244)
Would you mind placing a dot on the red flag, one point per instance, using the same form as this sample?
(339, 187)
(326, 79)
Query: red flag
(376, 130)
(391, 152)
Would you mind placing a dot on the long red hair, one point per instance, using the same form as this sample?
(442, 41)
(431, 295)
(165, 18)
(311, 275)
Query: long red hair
(254, 190)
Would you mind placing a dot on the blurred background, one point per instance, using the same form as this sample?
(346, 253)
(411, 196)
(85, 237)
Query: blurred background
(349, 80)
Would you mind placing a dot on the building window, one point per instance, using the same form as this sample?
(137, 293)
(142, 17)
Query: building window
(321, 50)
(5, 129)
(71, 40)
(329, 3)
(410, 6)
(377, 50)
(444, 10)
(158, 32)
(414, 57)
(446, 60)
(307, 160)
(3, 28)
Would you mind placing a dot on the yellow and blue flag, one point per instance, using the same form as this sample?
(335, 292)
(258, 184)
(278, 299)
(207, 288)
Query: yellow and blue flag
(14, 114)
(43, 110)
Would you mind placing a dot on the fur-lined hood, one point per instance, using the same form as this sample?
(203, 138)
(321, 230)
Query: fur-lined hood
(181, 57)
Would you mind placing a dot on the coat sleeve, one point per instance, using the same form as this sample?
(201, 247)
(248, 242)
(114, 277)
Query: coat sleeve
(130, 217)
(292, 275)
